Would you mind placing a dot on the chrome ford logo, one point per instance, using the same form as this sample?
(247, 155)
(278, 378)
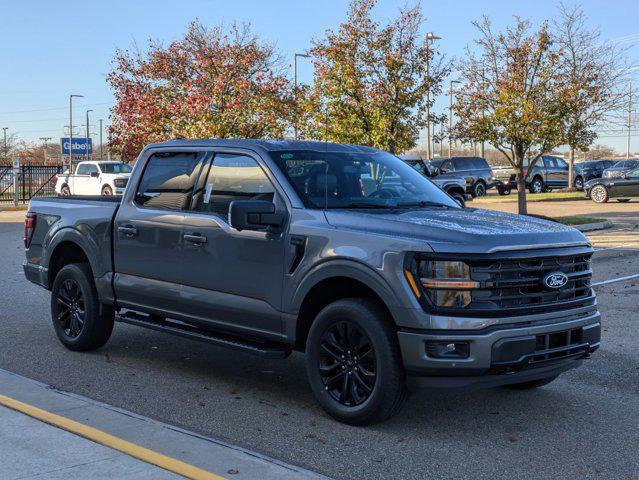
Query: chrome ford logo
(555, 280)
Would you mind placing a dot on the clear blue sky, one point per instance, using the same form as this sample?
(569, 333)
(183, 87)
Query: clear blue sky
(49, 49)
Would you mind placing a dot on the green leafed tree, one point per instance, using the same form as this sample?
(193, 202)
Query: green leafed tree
(369, 83)
(513, 95)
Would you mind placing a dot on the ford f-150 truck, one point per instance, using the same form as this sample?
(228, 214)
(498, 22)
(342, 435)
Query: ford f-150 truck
(94, 178)
(343, 252)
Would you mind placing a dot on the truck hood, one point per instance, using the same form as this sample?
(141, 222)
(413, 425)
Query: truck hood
(465, 230)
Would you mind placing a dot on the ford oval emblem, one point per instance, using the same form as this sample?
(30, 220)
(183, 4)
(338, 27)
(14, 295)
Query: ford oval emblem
(555, 280)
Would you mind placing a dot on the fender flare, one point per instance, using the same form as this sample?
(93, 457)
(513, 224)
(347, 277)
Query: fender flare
(86, 240)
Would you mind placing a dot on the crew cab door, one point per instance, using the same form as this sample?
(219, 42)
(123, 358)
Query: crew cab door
(148, 233)
(82, 181)
(232, 279)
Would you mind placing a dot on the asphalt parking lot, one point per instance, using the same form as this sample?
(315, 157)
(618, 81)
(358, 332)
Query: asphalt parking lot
(584, 425)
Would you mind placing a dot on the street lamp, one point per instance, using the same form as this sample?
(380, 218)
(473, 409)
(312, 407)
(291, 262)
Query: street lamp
(86, 145)
(71, 130)
(450, 120)
(4, 130)
(101, 139)
(301, 55)
(430, 38)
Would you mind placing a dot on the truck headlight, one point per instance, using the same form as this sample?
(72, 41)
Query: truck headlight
(445, 283)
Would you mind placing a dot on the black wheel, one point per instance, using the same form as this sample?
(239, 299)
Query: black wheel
(354, 364)
(479, 190)
(537, 185)
(599, 194)
(80, 321)
(460, 198)
(623, 200)
(65, 190)
(503, 190)
(106, 190)
(532, 384)
(579, 183)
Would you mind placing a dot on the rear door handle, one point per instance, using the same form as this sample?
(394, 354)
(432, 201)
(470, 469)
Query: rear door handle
(128, 231)
(195, 238)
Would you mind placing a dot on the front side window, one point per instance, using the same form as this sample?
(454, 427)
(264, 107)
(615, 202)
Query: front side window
(357, 180)
(634, 174)
(446, 167)
(115, 167)
(232, 177)
(168, 179)
(83, 169)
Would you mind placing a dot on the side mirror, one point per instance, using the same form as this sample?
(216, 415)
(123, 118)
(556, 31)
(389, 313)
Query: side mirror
(255, 215)
(95, 174)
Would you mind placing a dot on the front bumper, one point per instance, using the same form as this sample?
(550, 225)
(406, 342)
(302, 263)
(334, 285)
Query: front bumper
(499, 355)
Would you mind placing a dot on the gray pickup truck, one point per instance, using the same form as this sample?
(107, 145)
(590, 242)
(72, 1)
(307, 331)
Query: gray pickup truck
(343, 252)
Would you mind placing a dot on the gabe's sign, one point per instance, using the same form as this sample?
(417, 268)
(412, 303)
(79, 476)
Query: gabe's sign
(79, 146)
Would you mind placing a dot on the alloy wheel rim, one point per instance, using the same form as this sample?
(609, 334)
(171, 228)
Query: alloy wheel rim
(71, 308)
(479, 190)
(537, 186)
(598, 194)
(347, 364)
(579, 184)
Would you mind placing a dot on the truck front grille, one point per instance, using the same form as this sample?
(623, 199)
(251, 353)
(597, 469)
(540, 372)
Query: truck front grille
(511, 284)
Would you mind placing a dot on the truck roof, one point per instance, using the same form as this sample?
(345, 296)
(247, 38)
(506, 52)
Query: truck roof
(266, 145)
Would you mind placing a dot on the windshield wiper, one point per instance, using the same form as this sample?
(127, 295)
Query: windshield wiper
(422, 203)
(362, 205)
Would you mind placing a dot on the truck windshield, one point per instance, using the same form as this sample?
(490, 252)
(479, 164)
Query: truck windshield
(357, 180)
(115, 167)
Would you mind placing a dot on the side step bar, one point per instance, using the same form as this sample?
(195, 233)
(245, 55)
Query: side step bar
(265, 350)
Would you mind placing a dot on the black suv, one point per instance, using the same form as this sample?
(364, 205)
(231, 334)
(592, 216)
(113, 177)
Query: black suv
(475, 170)
(586, 171)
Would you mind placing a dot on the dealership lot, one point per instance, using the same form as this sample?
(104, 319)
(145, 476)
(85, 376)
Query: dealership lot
(585, 425)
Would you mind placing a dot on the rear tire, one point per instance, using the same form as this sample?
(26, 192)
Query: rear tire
(65, 191)
(532, 384)
(106, 190)
(79, 320)
(599, 194)
(503, 190)
(579, 183)
(479, 190)
(354, 364)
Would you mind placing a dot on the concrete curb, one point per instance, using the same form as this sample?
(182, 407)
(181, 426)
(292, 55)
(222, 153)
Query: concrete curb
(589, 227)
(215, 456)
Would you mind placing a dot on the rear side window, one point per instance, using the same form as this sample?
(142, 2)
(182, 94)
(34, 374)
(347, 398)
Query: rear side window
(168, 179)
(480, 163)
(232, 177)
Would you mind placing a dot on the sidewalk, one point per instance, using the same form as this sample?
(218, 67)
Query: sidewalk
(32, 448)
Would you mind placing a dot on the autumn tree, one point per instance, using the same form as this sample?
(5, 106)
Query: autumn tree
(513, 95)
(369, 82)
(594, 70)
(213, 82)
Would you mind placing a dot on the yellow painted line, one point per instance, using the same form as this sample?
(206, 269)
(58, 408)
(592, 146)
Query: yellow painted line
(103, 438)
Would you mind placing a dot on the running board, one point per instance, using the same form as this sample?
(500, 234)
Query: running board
(264, 350)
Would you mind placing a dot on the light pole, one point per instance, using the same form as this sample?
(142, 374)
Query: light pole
(629, 118)
(4, 130)
(430, 38)
(86, 145)
(71, 130)
(44, 147)
(101, 139)
(301, 55)
(450, 120)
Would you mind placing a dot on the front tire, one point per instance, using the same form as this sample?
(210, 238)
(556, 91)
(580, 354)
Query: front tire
(537, 185)
(579, 183)
(79, 320)
(460, 198)
(532, 384)
(599, 194)
(503, 190)
(354, 363)
(65, 191)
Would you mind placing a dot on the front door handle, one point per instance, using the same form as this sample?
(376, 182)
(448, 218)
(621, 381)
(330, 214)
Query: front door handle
(195, 238)
(128, 230)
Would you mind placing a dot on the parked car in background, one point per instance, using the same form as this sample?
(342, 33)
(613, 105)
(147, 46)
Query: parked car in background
(453, 186)
(620, 168)
(586, 171)
(94, 178)
(548, 172)
(600, 190)
(474, 170)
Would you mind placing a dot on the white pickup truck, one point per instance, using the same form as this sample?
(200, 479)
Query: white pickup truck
(94, 178)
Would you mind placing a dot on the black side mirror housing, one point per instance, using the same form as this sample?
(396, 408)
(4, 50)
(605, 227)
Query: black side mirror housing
(95, 174)
(255, 215)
